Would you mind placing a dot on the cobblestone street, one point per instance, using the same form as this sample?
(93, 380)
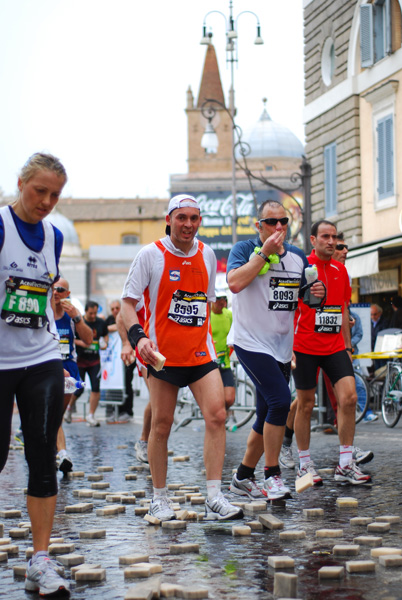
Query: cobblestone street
(230, 567)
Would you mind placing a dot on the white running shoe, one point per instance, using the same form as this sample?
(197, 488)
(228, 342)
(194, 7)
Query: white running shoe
(220, 509)
(247, 487)
(141, 451)
(42, 576)
(351, 474)
(162, 508)
(286, 459)
(91, 421)
(308, 467)
(64, 461)
(68, 415)
(276, 489)
(362, 457)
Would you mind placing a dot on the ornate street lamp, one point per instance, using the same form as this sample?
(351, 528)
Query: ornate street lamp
(209, 139)
(242, 149)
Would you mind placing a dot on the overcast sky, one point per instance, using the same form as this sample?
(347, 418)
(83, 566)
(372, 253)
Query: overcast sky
(102, 84)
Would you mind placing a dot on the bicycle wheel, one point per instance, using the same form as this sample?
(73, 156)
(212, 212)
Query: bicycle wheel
(390, 405)
(185, 408)
(244, 406)
(363, 397)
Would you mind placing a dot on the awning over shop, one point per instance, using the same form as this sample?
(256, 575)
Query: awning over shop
(364, 261)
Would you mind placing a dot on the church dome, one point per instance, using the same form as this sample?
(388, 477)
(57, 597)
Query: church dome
(268, 139)
(71, 245)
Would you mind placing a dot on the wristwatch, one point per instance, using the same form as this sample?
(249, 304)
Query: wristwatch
(264, 256)
(349, 350)
(77, 319)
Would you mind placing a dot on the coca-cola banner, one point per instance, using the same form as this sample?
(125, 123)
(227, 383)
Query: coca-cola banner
(216, 211)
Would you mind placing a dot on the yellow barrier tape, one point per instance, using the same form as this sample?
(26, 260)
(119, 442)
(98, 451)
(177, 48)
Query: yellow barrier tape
(379, 355)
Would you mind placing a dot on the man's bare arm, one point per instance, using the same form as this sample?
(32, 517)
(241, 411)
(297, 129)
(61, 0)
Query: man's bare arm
(145, 346)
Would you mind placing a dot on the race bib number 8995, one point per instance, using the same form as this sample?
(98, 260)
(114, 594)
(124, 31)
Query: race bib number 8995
(188, 308)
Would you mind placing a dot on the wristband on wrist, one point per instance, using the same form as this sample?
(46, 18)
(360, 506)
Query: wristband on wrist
(135, 333)
(349, 350)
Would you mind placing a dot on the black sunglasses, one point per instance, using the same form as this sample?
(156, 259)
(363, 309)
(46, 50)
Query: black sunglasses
(341, 247)
(60, 289)
(283, 221)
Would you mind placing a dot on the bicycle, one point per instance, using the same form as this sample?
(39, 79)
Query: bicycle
(391, 406)
(363, 394)
(243, 409)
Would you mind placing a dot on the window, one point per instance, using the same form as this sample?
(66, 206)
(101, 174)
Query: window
(328, 61)
(330, 179)
(375, 31)
(129, 239)
(383, 103)
(385, 157)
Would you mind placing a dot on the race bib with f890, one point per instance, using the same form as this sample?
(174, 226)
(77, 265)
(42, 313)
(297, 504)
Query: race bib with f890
(25, 303)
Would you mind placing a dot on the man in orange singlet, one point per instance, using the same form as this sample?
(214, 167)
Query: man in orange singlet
(176, 276)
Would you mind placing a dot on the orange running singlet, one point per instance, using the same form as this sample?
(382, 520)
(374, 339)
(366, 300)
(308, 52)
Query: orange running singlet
(179, 322)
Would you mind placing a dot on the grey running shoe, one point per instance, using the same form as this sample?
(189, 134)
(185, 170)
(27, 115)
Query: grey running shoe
(124, 418)
(276, 489)
(351, 474)
(141, 451)
(220, 509)
(42, 577)
(161, 508)
(92, 422)
(68, 416)
(286, 458)
(247, 487)
(308, 467)
(362, 457)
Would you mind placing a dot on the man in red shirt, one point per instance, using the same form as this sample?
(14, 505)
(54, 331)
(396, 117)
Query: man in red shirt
(320, 340)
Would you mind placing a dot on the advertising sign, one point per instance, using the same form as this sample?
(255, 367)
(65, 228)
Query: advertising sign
(216, 211)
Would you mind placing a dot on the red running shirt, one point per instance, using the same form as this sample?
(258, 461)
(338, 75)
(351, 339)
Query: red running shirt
(319, 331)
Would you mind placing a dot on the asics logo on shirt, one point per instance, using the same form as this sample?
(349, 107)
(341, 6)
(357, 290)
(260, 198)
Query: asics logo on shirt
(186, 262)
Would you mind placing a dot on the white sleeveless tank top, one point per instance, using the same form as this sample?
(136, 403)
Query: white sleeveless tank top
(28, 333)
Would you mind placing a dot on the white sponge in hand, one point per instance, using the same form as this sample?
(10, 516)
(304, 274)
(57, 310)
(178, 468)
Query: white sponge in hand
(161, 361)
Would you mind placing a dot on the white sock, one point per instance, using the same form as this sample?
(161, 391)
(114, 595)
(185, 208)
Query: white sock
(345, 455)
(40, 554)
(158, 492)
(304, 456)
(62, 454)
(213, 488)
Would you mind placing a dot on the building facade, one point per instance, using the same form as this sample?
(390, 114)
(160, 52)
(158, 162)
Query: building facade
(353, 104)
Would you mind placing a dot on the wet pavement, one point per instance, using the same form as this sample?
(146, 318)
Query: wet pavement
(233, 568)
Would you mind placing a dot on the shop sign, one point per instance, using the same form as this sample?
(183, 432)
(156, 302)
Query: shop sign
(384, 281)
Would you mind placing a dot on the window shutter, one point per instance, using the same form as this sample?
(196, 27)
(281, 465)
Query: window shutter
(388, 27)
(330, 179)
(366, 35)
(385, 158)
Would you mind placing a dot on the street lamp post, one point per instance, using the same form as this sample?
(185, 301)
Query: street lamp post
(231, 58)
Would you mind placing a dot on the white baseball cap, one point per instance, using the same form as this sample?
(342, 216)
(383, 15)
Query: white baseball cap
(182, 201)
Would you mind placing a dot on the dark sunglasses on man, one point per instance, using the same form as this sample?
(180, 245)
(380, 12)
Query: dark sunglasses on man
(60, 289)
(283, 221)
(340, 247)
